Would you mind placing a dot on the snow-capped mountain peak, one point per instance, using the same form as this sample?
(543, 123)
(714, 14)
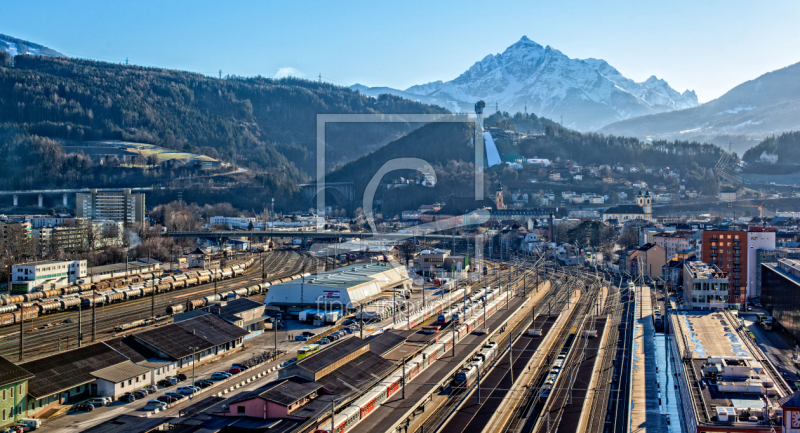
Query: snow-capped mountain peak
(588, 93)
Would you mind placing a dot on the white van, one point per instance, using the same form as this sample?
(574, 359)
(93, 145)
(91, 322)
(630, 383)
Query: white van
(32, 423)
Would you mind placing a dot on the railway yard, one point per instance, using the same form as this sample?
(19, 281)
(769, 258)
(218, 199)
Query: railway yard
(59, 331)
(529, 348)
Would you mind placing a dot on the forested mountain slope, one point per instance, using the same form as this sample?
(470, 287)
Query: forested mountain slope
(258, 123)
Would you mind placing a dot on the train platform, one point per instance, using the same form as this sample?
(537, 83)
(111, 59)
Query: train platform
(572, 417)
(529, 371)
(645, 413)
(474, 414)
(421, 391)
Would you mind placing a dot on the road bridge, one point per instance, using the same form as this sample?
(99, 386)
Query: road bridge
(64, 191)
(220, 234)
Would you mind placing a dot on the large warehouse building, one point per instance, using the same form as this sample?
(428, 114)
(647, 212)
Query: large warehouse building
(343, 288)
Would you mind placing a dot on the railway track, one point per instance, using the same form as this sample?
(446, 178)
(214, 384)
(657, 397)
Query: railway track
(59, 331)
(599, 415)
(553, 409)
(456, 396)
(527, 414)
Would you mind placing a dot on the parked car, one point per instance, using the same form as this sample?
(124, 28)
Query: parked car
(300, 338)
(140, 393)
(234, 370)
(324, 341)
(151, 389)
(220, 375)
(127, 398)
(332, 337)
(280, 325)
(186, 390)
(20, 427)
(308, 333)
(84, 407)
(173, 380)
(155, 404)
(241, 366)
(181, 377)
(99, 401)
(202, 384)
(167, 399)
(164, 383)
(32, 423)
(174, 394)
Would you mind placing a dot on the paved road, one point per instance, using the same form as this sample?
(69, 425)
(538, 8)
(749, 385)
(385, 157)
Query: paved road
(775, 344)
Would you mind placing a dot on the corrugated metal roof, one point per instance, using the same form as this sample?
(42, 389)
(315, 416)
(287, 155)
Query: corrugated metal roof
(131, 348)
(10, 373)
(331, 354)
(289, 392)
(357, 375)
(69, 369)
(129, 424)
(201, 333)
(120, 372)
(385, 342)
(188, 315)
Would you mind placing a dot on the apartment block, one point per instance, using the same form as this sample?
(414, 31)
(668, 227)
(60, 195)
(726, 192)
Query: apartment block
(122, 206)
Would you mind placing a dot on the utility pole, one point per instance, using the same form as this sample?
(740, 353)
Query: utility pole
(404, 377)
(153, 303)
(194, 361)
(333, 409)
(361, 328)
(94, 314)
(220, 74)
(21, 330)
(126, 61)
(80, 332)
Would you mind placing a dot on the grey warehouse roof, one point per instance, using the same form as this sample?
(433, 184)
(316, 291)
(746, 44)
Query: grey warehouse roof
(69, 369)
(10, 373)
(178, 339)
(120, 372)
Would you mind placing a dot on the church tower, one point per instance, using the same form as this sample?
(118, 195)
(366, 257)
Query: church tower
(648, 205)
(498, 198)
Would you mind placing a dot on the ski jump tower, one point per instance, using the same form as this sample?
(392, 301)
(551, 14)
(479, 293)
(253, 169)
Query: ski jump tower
(492, 154)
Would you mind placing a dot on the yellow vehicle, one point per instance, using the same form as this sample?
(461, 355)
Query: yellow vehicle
(307, 350)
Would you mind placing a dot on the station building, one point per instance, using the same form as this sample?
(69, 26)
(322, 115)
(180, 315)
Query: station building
(724, 381)
(343, 288)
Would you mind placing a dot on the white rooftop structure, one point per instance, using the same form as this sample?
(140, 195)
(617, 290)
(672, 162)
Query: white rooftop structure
(344, 287)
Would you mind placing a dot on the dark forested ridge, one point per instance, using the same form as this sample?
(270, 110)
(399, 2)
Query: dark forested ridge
(786, 146)
(258, 123)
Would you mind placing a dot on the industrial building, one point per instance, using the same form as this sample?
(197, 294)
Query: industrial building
(122, 206)
(51, 274)
(343, 288)
(725, 382)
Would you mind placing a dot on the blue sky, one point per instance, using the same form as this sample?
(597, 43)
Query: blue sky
(708, 46)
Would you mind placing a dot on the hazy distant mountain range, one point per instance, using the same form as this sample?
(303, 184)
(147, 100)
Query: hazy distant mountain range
(767, 105)
(16, 46)
(589, 94)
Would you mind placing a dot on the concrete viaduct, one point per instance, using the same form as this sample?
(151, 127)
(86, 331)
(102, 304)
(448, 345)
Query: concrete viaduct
(42, 192)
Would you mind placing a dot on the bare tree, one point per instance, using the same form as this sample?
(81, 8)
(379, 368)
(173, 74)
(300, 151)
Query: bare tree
(408, 249)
